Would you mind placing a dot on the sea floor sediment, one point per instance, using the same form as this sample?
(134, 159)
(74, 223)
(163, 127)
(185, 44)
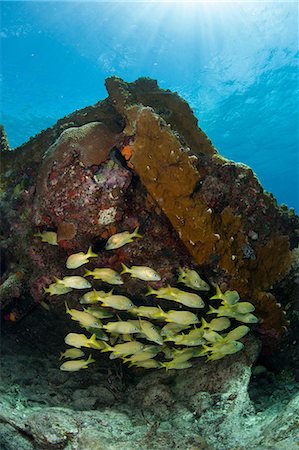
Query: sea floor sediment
(111, 408)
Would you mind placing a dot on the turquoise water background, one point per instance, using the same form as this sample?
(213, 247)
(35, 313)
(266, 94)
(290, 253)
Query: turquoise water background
(236, 63)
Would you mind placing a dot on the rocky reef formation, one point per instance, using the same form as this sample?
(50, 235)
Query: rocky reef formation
(138, 158)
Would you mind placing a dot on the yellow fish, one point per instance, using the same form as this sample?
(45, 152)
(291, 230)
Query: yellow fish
(236, 333)
(121, 327)
(181, 317)
(47, 236)
(150, 332)
(192, 339)
(74, 282)
(127, 348)
(78, 259)
(243, 308)
(120, 239)
(246, 318)
(84, 318)
(228, 298)
(177, 295)
(151, 312)
(99, 313)
(219, 350)
(74, 366)
(218, 324)
(105, 274)
(172, 329)
(94, 297)
(120, 302)
(80, 340)
(182, 355)
(192, 279)
(72, 353)
(147, 364)
(142, 355)
(186, 298)
(163, 292)
(232, 311)
(57, 289)
(141, 272)
(174, 364)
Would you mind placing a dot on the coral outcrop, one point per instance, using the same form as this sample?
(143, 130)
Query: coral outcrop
(139, 158)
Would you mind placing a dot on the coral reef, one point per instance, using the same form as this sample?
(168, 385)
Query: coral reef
(139, 158)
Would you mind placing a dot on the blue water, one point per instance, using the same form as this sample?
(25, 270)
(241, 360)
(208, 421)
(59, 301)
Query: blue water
(234, 62)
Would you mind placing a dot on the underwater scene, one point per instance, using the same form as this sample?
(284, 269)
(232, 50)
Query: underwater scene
(149, 286)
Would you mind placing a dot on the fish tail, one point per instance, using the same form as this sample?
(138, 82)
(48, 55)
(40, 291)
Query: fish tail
(136, 234)
(181, 274)
(166, 365)
(61, 355)
(150, 291)
(212, 310)
(67, 309)
(108, 293)
(218, 295)
(204, 323)
(161, 312)
(87, 272)
(46, 290)
(58, 281)
(125, 269)
(90, 253)
(93, 340)
(107, 347)
(90, 359)
(45, 305)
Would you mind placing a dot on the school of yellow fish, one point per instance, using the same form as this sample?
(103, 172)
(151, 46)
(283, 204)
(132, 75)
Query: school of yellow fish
(149, 337)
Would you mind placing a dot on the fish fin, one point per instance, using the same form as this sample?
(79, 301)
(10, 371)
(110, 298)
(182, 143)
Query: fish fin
(218, 295)
(87, 272)
(93, 340)
(205, 324)
(45, 305)
(161, 312)
(90, 253)
(58, 281)
(90, 359)
(136, 234)
(125, 269)
(61, 355)
(182, 275)
(67, 309)
(212, 310)
(151, 291)
(206, 348)
(107, 347)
